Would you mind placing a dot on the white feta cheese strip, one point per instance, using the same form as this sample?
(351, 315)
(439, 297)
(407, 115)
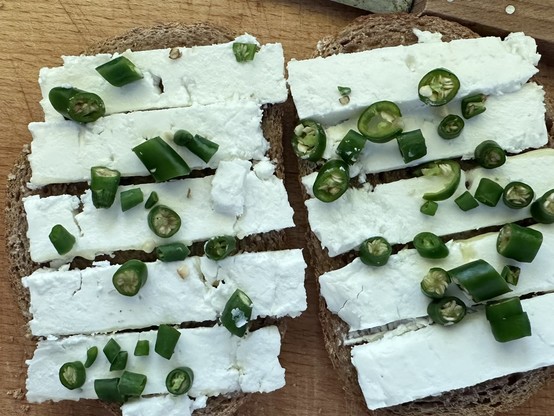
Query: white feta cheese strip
(193, 290)
(394, 73)
(515, 121)
(392, 209)
(222, 363)
(234, 126)
(411, 366)
(228, 187)
(266, 208)
(202, 75)
(367, 297)
(166, 405)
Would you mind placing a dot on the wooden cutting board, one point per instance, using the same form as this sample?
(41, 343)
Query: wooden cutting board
(34, 33)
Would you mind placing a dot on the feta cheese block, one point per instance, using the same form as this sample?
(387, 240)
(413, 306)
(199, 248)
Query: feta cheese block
(418, 364)
(234, 126)
(266, 208)
(392, 209)
(165, 405)
(366, 297)
(196, 77)
(499, 123)
(193, 290)
(394, 73)
(222, 363)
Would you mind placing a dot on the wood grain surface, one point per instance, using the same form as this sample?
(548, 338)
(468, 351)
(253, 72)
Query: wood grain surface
(34, 33)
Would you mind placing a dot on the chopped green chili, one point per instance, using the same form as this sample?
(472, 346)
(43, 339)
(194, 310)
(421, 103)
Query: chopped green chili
(430, 246)
(429, 208)
(488, 192)
(131, 198)
(73, 375)
(381, 122)
(92, 353)
(237, 313)
(200, 146)
(411, 145)
(245, 52)
(163, 221)
(375, 251)
(331, 181)
(309, 140)
(120, 361)
(449, 170)
(344, 90)
(130, 277)
(451, 127)
(479, 280)
(76, 104)
(119, 71)
(62, 240)
(435, 283)
(166, 340)
(103, 186)
(473, 105)
(142, 348)
(218, 248)
(517, 195)
(179, 381)
(542, 210)
(511, 274)
(107, 391)
(111, 349)
(466, 201)
(161, 160)
(438, 87)
(489, 154)
(502, 309)
(446, 311)
(131, 384)
(511, 328)
(519, 243)
(351, 146)
(152, 200)
(172, 252)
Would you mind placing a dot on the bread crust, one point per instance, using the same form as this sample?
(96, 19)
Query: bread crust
(20, 264)
(488, 398)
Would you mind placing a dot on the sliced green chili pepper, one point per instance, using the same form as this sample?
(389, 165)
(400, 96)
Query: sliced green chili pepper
(446, 311)
(120, 361)
(542, 210)
(179, 381)
(331, 181)
(518, 243)
(351, 146)
(381, 122)
(111, 349)
(375, 251)
(163, 221)
(473, 105)
(517, 195)
(131, 384)
(161, 160)
(119, 71)
(430, 246)
(76, 104)
(172, 252)
(344, 90)
(502, 309)
(309, 140)
(130, 277)
(479, 280)
(429, 208)
(511, 328)
(73, 375)
(489, 155)
(411, 145)
(466, 201)
(237, 313)
(245, 51)
(107, 391)
(103, 186)
(511, 274)
(217, 248)
(142, 348)
(438, 87)
(152, 200)
(451, 127)
(435, 283)
(131, 198)
(488, 192)
(450, 170)
(166, 340)
(200, 146)
(62, 240)
(92, 353)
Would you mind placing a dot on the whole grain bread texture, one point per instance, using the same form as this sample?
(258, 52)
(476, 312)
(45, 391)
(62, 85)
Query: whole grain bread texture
(488, 398)
(20, 264)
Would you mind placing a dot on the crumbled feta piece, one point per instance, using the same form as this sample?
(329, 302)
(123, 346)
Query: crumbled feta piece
(228, 187)
(264, 169)
(424, 36)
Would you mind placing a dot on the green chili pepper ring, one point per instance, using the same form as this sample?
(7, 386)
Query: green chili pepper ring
(446, 311)
(332, 181)
(163, 221)
(179, 381)
(542, 210)
(218, 248)
(381, 122)
(451, 127)
(430, 246)
(435, 283)
(375, 251)
(77, 105)
(72, 375)
(130, 277)
(438, 87)
(309, 140)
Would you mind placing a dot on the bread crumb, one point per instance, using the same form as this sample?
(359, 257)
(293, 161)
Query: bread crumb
(16, 394)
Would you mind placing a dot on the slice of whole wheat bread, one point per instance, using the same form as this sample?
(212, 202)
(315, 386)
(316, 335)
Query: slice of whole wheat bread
(155, 37)
(370, 32)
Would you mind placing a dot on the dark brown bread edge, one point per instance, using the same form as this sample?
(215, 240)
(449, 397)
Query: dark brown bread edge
(155, 37)
(502, 394)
